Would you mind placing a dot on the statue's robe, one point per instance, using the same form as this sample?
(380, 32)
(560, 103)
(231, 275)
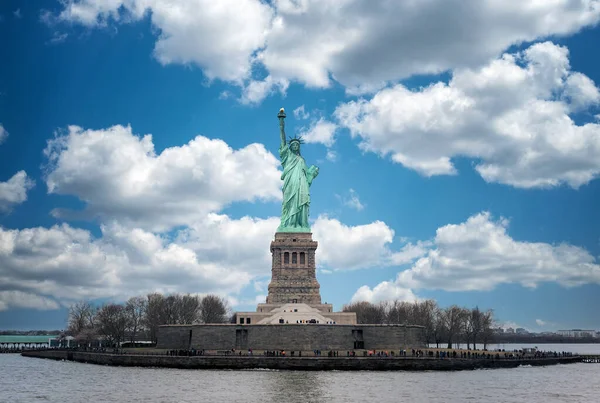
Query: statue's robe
(296, 198)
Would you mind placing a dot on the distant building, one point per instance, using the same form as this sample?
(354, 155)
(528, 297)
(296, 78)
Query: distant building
(510, 330)
(577, 333)
(520, 330)
(499, 330)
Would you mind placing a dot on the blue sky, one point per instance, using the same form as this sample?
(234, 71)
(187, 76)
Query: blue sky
(458, 162)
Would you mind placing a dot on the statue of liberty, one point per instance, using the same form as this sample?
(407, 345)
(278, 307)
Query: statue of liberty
(297, 179)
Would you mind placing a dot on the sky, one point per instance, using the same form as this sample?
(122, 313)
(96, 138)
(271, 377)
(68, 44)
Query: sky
(458, 143)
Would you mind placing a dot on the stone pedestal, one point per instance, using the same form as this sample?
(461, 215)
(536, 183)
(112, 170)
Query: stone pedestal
(294, 292)
(293, 278)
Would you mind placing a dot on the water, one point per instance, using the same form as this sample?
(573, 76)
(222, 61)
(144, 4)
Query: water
(36, 380)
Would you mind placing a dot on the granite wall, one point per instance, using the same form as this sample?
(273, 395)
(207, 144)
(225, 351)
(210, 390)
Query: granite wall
(294, 363)
(290, 337)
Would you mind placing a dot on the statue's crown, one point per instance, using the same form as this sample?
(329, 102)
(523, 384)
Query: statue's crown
(297, 139)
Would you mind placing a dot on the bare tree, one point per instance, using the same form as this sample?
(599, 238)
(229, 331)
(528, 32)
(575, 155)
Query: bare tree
(470, 325)
(155, 314)
(398, 312)
(213, 309)
(453, 319)
(189, 309)
(487, 327)
(367, 312)
(112, 322)
(81, 316)
(476, 319)
(439, 329)
(135, 308)
(171, 310)
(426, 313)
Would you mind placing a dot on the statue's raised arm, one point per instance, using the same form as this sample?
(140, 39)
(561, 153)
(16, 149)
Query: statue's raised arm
(281, 116)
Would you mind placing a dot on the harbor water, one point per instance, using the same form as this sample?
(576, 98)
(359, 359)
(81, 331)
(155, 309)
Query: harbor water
(37, 380)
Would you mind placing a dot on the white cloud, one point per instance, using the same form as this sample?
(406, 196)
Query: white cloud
(507, 115)
(238, 244)
(362, 246)
(14, 191)
(57, 37)
(300, 113)
(225, 95)
(219, 36)
(3, 134)
(260, 286)
(354, 42)
(331, 155)
(68, 264)
(580, 91)
(540, 322)
(384, 291)
(139, 195)
(479, 255)
(120, 176)
(216, 254)
(362, 44)
(19, 299)
(320, 131)
(256, 90)
(352, 201)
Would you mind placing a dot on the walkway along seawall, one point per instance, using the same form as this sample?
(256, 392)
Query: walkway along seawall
(296, 363)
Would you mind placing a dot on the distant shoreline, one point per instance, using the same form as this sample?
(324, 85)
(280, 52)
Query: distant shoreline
(296, 363)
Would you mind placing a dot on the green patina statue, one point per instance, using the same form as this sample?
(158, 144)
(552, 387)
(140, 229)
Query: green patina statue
(297, 178)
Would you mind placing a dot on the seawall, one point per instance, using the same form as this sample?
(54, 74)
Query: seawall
(296, 363)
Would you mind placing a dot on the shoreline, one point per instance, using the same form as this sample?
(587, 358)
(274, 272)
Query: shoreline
(296, 363)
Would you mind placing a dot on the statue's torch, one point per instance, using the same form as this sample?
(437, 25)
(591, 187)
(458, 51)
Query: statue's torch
(281, 116)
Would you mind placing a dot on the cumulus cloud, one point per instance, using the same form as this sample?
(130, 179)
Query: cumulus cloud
(540, 322)
(216, 254)
(352, 200)
(3, 134)
(19, 299)
(331, 155)
(320, 131)
(255, 91)
(218, 36)
(69, 263)
(384, 291)
(300, 113)
(161, 226)
(361, 45)
(362, 246)
(511, 115)
(479, 255)
(14, 191)
(120, 176)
